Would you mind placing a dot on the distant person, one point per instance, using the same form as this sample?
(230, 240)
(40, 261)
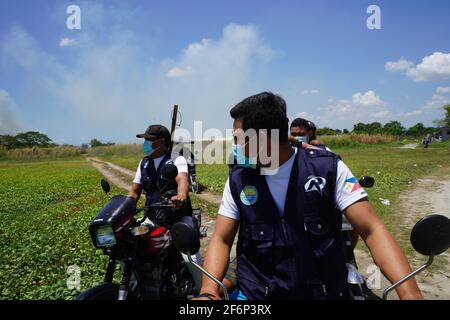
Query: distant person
(304, 131)
(427, 140)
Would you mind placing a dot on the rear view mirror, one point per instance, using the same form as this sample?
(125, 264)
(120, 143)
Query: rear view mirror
(185, 238)
(430, 236)
(367, 181)
(105, 185)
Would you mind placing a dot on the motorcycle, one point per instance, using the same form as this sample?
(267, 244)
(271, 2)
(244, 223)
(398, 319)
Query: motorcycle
(151, 267)
(430, 236)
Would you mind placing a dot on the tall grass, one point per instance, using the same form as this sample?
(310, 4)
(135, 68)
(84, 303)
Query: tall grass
(345, 140)
(116, 150)
(348, 140)
(36, 153)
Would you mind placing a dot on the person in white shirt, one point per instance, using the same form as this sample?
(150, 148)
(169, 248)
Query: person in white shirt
(156, 147)
(263, 113)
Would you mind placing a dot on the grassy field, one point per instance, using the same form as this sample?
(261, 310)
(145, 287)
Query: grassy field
(45, 208)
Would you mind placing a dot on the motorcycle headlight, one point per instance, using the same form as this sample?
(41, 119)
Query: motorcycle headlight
(104, 236)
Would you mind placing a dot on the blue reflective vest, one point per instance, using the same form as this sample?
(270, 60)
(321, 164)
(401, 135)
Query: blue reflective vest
(297, 255)
(150, 178)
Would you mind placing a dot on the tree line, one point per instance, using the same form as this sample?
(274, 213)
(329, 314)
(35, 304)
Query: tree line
(32, 139)
(394, 128)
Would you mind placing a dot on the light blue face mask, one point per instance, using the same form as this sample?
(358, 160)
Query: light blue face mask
(147, 146)
(302, 139)
(241, 159)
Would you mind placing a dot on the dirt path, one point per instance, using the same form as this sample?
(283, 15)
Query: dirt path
(409, 146)
(428, 195)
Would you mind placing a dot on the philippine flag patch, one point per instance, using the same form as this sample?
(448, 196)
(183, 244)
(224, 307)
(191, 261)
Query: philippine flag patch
(352, 185)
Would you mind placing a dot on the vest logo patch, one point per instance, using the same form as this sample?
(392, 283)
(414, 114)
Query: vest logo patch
(315, 184)
(249, 195)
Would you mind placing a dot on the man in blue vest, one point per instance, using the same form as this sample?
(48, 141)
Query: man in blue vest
(157, 154)
(289, 244)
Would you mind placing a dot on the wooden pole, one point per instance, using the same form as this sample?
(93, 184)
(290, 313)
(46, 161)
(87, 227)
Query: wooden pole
(174, 123)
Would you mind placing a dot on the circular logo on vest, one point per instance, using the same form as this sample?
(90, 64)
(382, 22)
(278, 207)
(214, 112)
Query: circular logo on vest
(249, 195)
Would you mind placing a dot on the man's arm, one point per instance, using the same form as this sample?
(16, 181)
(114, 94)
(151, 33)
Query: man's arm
(385, 251)
(218, 254)
(182, 189)
(135, 191)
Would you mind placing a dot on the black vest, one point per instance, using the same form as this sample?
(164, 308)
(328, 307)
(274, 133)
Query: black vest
(298, 255)
(150, 178)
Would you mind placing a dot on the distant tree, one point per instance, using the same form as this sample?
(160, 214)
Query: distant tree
(394, 128)
(338, 131)
(31, 139)
(360, 128)
(375, 128)
(8, 141)
(345, 131)
(444, 122)
(98, 143)
(326, 131)
(416, 130)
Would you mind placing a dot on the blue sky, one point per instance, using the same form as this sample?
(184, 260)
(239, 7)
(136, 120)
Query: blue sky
(131, 61)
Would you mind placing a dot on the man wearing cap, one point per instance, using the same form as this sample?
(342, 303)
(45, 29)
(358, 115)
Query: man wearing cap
(157, 154)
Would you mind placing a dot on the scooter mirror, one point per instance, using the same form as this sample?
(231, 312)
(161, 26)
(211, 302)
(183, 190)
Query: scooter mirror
(430, 236)
(185, 238)
(105, 185)
(366, 182)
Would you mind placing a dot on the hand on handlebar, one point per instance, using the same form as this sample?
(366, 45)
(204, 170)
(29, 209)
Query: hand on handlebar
(207, 296)
(178, 201)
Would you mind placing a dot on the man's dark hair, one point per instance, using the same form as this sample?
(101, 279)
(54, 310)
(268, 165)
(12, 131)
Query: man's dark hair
(300, 122)
(263, 111)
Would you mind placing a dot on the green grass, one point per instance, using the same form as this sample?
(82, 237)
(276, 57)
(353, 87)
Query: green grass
(45, 209)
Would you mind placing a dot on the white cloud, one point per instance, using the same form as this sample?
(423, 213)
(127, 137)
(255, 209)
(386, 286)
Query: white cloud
(368, 99)
(430, 111)
(414, 113)
(310, 92)
(8, 123)
(303, 115)
(362, 107)
(433, 67)
(176, 72)
(115, 83)
(380, 114)
(66, 42)
(442, 90)
(400, 65)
